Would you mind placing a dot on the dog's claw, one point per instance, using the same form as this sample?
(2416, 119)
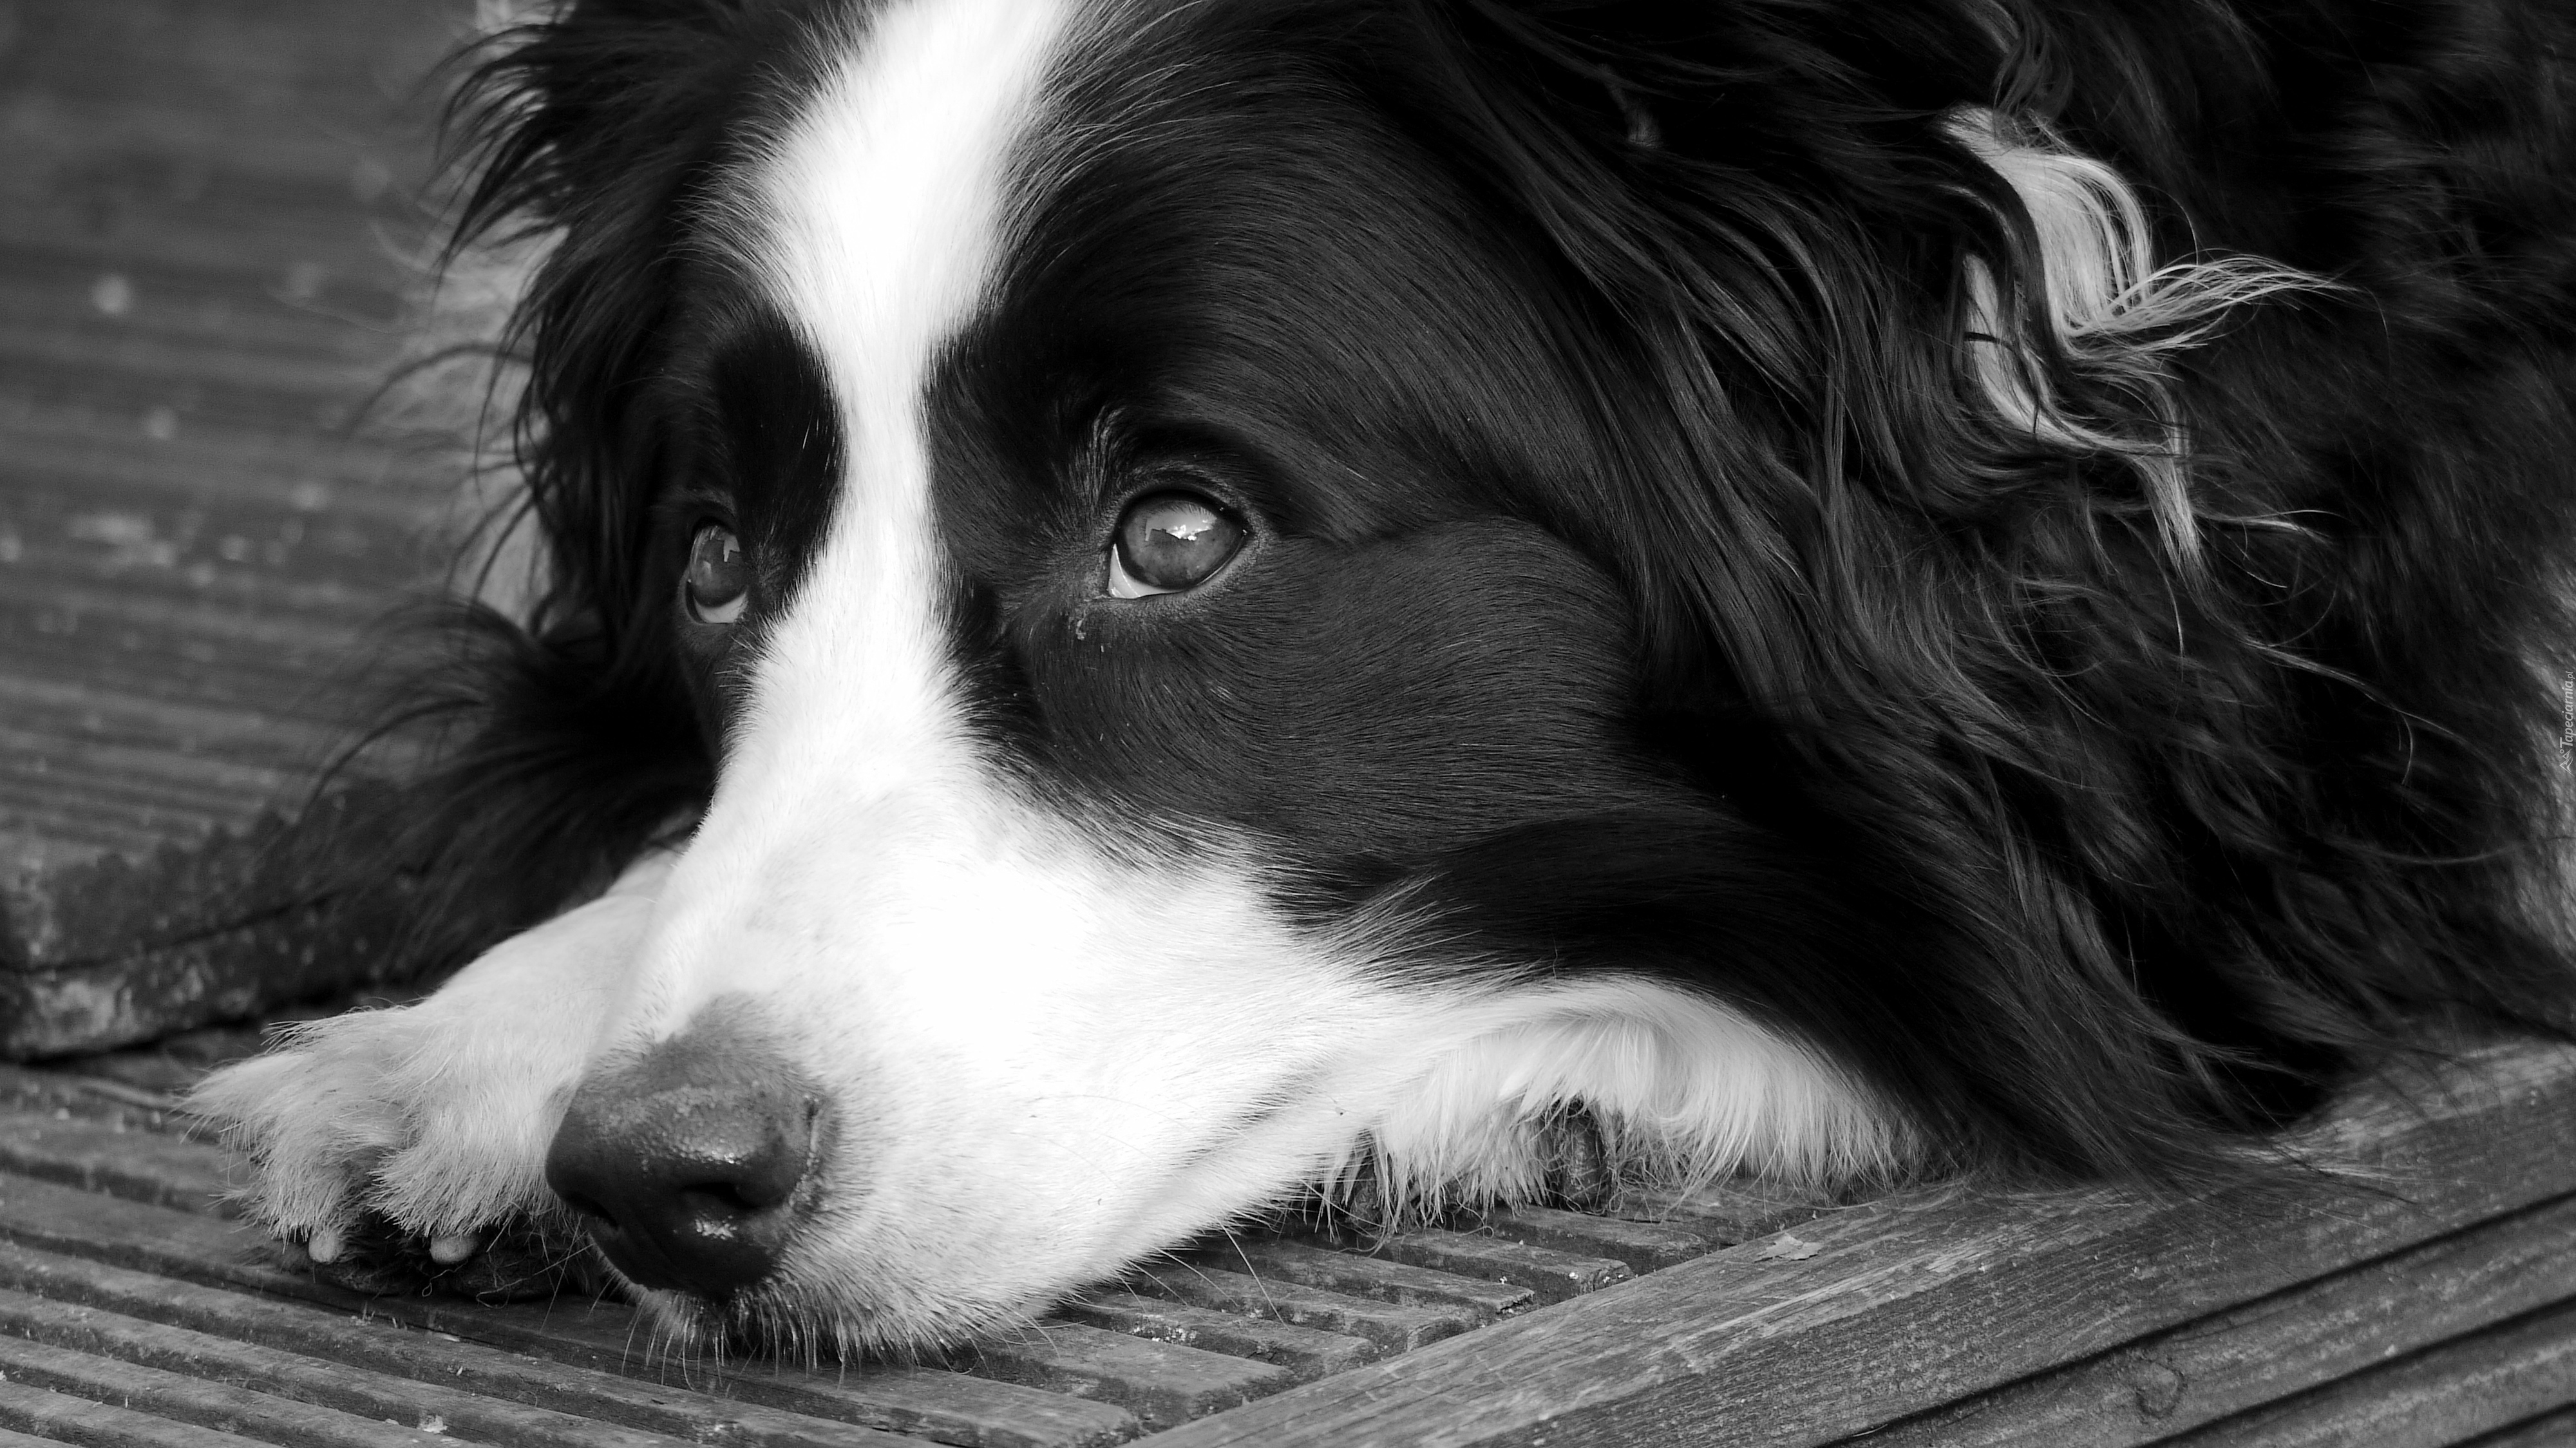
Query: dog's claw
(325, 1245)
(450, 1250)
(1577, 1160)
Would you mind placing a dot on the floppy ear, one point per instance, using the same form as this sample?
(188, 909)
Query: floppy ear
(1929, 561)
(1918, 294)
(586, 133)
(589, 133)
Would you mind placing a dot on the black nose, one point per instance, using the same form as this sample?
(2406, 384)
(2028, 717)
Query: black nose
(686, 1162)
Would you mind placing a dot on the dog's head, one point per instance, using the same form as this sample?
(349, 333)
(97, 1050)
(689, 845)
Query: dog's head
(1270, 586)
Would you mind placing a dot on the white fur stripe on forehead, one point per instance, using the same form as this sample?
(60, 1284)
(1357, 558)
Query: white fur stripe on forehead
(881, 206)
(877, 221)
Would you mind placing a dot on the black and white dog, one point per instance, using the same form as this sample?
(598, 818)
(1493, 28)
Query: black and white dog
(1238, 595)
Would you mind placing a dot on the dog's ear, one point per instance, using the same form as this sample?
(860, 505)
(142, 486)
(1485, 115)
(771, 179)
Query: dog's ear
(1886, 259)
(585, 129)
(1910, 504)
(589, 133)
(572, 108)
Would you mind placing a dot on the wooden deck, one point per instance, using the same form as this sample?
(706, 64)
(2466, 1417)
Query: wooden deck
(210, 221)
(2423, 1295)
(206, 210)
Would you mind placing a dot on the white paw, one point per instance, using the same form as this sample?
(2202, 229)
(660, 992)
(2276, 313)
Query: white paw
(393, 1114)
(398, 1144)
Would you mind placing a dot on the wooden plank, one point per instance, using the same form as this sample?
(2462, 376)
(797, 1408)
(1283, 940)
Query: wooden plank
(111, 951)
(377, 1345)
(1162, 1383)
(1305, 1352)
(1551, 1274)
(1911, 1303)
(1393, 1327)
(1644, 1246)
(65, 1418)
(603, 1336)
(1724, 1213)
(216, 1405)
(2549, 1430)
(108, 1156)
(92, 1097)
(1398, 1282)
(2492, 1379)
(336, 1385)
(208, 217)
(2266, 1350)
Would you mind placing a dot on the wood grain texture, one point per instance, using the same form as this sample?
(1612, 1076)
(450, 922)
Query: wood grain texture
(2460, 1389)
(279, 1373)
(53, 1417)
(2549, 1430)
(110, 1247)
(207, 210)
(2237, 1360)
(209, 230)
(374, 1345)
(106, 1155)
(1916, 1302)
(1375, 1277)
(1307, 1353)
(602, 1337)
(1163, 1383)
(1394, 1327)
(1552, 1274)
(1645, 1246)
(207, 1403)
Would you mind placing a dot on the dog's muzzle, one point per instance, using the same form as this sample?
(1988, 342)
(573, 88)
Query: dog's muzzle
(694, 1163)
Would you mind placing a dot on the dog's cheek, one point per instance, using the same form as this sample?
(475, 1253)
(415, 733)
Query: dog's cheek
(1384, 702)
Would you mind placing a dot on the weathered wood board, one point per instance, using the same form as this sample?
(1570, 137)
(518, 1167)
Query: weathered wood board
(210, 226)
(1919, 1302)
(113, 1252)
(2420, 1294)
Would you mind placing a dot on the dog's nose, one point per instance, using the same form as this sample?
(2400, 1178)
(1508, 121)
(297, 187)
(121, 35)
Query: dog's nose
(687, 1161)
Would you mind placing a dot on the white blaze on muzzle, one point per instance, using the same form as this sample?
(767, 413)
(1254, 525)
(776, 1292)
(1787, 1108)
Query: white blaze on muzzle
(1033, 1056)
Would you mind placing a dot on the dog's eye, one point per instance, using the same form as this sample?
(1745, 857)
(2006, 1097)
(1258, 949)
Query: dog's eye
(718, 580)
(1168, 542)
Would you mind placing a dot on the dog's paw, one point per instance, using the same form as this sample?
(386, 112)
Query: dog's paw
(397, 1148)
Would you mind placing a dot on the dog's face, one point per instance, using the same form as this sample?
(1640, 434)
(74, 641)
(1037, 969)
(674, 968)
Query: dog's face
(1110, 520)
(1286, 591)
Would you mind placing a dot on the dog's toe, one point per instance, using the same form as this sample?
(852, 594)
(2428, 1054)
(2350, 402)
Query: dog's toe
(314, 1129)
(378, 1256)
(386, 1164)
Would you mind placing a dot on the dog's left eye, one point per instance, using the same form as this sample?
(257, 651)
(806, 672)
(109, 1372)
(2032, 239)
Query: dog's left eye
(718, 580)
(1168, 542)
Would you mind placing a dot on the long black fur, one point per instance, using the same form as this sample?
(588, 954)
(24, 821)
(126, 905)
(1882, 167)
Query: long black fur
(2082, 842)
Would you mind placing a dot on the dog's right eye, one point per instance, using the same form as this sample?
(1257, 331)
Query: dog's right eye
(1168, 542)
(718, 580)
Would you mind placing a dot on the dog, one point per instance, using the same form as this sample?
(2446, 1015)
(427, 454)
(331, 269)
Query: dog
(1156, 610)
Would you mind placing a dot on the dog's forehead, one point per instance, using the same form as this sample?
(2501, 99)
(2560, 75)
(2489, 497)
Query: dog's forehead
(994, 256)
(874, 214)
(1204, 216)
